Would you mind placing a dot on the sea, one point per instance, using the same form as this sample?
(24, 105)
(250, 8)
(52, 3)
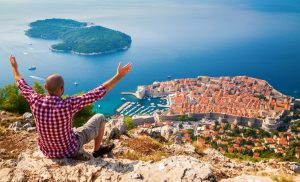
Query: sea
(176, 38)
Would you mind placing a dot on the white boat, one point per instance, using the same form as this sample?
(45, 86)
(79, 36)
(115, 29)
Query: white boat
(123, 99)
(99, 105)
(75, 83)
(32, 68)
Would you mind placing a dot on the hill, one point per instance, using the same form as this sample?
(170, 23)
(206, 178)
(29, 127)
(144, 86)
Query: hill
(79, 37)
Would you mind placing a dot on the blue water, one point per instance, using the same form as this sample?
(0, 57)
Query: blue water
(178, 38)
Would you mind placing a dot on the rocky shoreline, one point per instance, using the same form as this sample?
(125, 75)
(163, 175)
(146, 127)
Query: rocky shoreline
(90, 54)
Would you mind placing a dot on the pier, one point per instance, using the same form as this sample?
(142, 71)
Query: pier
(129, 93)
(123, 106)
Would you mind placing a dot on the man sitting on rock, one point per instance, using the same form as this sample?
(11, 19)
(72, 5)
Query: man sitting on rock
(53, 115)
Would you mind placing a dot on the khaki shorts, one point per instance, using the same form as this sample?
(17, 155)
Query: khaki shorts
(89, 130)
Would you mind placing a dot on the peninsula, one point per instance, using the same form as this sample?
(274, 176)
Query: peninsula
(79, 37)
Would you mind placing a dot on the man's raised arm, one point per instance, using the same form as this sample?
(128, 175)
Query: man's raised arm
(14, 66)
(121, 72)
(88, 98)
(25, 89)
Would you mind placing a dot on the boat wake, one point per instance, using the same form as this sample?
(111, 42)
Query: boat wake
(37, 78)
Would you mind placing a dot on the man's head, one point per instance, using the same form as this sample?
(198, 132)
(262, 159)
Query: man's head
(55, 85)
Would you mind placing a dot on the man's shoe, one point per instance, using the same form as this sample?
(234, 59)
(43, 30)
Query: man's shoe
(104, 149)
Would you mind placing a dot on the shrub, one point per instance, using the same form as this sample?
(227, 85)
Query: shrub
(129, 123)
(11, 100)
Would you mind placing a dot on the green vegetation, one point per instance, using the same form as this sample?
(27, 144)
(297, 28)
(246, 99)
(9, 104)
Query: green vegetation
(12, 101)
(295, 126)
(129, 123)
(78, 37)
(296, 114)
(242, 142)
(83, 115)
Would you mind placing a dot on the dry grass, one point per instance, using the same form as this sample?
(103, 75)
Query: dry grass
(144, 148)
(198, 148)
(9, 118)
(280, 176)
(2, 131)
(15, 143)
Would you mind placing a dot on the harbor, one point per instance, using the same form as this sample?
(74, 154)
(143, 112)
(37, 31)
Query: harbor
(145, 106)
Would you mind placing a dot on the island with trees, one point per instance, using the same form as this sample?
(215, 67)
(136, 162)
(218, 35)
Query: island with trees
(79, 37)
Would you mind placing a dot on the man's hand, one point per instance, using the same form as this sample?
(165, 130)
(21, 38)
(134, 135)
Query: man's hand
(14, 66)
(122, 71)
(13, 62)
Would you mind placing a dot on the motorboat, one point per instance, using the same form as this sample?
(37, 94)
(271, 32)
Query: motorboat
(32, 68)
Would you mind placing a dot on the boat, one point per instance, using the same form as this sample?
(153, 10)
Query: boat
(123, 99)
(149, 99)
(75, 83)
(99, 105)
(29, 43)
(32, 68)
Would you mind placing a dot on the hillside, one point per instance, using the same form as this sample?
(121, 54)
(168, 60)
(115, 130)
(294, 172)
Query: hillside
(136, 157)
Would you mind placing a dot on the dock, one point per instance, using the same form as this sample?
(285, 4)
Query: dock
(129, 93)
(165, 106)
(123, 106)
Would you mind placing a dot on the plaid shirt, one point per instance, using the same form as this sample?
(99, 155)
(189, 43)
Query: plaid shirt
(53, 117)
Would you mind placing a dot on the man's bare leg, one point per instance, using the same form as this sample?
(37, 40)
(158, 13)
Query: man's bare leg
(100, 150)
(98, 139)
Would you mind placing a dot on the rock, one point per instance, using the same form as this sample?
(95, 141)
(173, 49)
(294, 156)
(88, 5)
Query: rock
(248, 178)
(176, 168)
(33, 166)
(27, 116)
(31, 129)
(121, 125)
(178, 138)
(17, 124)
(114, 128)
(27, 125)
(5, 174)
(137, 176)
(166, 132)
(3, 113)
(295, 168)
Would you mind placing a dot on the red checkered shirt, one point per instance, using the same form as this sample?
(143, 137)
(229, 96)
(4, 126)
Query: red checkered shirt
(53, 116)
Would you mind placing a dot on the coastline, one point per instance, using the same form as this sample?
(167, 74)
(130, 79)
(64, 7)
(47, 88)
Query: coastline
(89, 54)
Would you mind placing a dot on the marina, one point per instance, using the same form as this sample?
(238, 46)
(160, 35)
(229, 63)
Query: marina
(123, 106)
(145, 106)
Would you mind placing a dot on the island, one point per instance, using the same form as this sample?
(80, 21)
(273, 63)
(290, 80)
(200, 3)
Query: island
(79, 37)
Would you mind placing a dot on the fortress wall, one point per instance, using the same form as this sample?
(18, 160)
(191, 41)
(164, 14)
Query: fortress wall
(141, 121)
(253, 122)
